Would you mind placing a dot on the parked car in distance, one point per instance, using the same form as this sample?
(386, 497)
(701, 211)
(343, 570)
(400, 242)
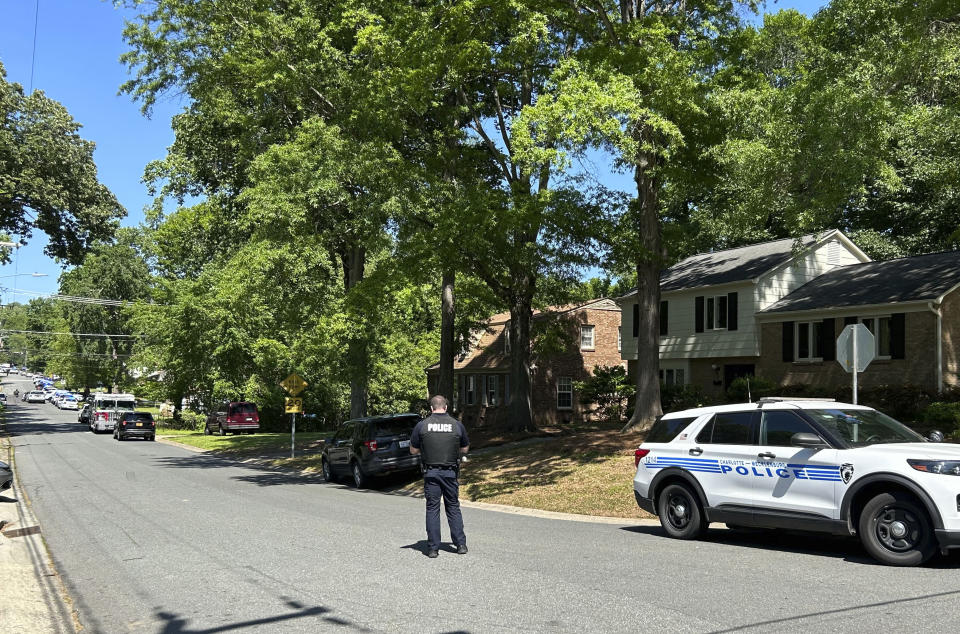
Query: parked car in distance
(135, 425)
(36, 396)
(236, 417)
(368, 447)
(3, 398)
(68, 402)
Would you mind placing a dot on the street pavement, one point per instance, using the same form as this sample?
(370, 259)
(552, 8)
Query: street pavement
(150, 537)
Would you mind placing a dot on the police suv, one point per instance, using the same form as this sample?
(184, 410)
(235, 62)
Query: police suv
(807, 464)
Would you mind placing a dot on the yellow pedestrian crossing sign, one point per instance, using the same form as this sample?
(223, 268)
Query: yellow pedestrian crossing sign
(293, 384)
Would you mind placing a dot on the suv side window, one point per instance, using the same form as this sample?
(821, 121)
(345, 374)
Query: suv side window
(667, 430)
(776, 428)
(728, 428)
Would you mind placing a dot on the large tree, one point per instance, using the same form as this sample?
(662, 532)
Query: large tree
(48, 180)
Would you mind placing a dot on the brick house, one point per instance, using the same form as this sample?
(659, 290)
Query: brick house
(710, 302)
(911, 305)
(580, 337)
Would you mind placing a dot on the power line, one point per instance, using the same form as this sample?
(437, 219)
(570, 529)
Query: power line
(71, 298)
(72, 334)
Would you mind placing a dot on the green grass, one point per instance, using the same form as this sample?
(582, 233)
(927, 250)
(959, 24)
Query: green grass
(265, 443)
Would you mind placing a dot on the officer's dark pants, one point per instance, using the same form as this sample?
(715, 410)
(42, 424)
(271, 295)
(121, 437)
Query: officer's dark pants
(437, 483)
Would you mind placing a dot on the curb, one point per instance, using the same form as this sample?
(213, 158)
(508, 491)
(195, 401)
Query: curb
(43, 604)
(486, 506)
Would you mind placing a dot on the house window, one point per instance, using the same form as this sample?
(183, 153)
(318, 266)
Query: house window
(564, 392)
(470, 391)
(586, 337)
(717, 312)
(619, 338)
(506, 338)
(493, 390)
(672, 376)
(880, 327)
(808, 341)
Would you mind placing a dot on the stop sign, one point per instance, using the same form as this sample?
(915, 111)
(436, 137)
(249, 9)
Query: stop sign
(855, 337)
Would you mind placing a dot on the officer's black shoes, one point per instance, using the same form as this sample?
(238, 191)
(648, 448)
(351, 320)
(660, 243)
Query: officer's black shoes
(433, 554)
(462, 549)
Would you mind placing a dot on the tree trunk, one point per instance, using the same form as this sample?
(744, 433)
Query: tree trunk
(445, 382)
(649, 262)
(354, 261)
(521, 399)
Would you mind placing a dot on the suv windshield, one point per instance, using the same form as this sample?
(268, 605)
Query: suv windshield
(862, 427)
(243, 408)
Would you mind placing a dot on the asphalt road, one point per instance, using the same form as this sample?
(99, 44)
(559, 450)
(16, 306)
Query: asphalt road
(153, 538)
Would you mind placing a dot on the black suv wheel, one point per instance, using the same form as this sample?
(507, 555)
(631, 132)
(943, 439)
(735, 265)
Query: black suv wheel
(895, 530)
(359, 477)
(327, 471)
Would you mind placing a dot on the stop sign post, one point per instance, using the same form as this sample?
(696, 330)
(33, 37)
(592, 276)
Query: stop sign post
(856, 348)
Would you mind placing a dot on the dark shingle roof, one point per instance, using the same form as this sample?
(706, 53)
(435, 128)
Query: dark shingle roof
(731, 265)
(914, 279)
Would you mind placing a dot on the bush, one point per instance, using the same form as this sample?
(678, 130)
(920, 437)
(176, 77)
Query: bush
(943, 416)
(751, 388)
(610, 389)
(188, 420)
(677, 397)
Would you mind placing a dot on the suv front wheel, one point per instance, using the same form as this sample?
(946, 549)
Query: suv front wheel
(896, 531)
(679, 512)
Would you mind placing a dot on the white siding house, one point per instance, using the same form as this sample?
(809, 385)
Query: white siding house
(708, 327)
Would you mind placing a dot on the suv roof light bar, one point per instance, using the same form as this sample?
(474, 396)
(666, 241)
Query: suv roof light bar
(781, 399)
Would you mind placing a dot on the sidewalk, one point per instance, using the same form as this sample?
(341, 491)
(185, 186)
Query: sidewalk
(31, 594)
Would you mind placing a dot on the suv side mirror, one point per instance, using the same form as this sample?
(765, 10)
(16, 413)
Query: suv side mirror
(935, 436)
(807, 440)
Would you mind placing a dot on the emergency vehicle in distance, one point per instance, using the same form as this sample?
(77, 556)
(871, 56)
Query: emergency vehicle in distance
(108, 408)
(805, 464)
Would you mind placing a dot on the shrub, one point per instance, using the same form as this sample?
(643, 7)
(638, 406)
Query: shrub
(751, 388)
(677, 397)
(610, 389)
(943, 416)
(188, 420)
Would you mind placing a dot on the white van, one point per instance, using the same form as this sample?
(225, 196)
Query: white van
(107, 409)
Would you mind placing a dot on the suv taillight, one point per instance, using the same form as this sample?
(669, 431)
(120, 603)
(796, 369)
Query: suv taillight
(638, 455)
(370, 444)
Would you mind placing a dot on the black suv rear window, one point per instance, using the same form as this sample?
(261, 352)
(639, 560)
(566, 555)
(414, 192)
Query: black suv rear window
(142, 416)
(665, 430)
(394, 426)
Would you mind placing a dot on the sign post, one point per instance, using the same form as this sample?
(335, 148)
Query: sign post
(293, 384)
(856, 348)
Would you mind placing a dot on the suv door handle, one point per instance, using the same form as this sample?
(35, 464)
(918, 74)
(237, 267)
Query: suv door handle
(767, 454)
(696, 451)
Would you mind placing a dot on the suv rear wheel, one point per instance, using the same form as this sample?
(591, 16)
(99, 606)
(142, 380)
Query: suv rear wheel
(895, 530)
(679, 512)
(359, 478)
(327, 472)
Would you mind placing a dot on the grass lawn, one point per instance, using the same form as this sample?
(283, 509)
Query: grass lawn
(257, 444)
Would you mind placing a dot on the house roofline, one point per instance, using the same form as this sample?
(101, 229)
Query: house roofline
(915, 305)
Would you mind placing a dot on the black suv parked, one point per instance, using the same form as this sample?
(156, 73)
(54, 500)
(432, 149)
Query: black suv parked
(136, 425)
(373, 446)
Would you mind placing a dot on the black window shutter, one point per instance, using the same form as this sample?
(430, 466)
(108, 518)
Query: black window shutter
(828, 340)
(664, 315)
(731, 311)
(849, 320)
(898, 339)
(698, 314)
(788, 341)
(636, 320)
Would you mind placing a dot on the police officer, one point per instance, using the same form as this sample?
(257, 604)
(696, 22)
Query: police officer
(441, 439)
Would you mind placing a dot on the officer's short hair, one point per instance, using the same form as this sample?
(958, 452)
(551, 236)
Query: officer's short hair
(438, 401)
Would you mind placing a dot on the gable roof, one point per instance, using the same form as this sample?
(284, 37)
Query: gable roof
(740, 264)
(487, 351)
(914, 279)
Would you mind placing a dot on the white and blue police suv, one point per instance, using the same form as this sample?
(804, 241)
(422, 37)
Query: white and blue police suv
(814, 465)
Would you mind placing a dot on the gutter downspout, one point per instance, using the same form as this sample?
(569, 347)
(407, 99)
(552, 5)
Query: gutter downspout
(936, 311)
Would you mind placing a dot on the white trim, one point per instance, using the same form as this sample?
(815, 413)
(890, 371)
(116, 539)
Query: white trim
(593, 337)
(565, 407)
(936, 311)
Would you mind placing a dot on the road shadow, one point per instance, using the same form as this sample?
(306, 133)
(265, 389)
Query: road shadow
(25, 419)
(848, 549)
(423, 547)
(177, 624)
(4, 498)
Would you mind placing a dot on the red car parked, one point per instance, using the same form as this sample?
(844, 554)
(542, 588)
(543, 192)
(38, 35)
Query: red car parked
(236, 417)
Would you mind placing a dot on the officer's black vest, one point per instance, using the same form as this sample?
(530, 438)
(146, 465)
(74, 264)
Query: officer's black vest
(440, 440)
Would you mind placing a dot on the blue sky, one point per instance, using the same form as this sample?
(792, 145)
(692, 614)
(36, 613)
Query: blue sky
(78, 45)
